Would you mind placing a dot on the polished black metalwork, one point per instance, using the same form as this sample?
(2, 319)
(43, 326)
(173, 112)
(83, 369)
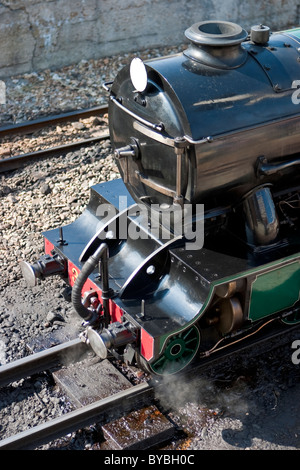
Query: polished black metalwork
(227, 98)
(215, 126)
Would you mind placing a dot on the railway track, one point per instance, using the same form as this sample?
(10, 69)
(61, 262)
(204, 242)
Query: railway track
(101, 410)
(118, 404)
(28, 127)
(38, 362)
(121, 403)
(17, 161)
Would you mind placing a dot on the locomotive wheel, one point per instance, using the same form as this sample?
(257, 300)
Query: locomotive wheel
(179, 352)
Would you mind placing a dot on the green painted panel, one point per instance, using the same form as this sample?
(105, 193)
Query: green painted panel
(293, 32)
(274, 291)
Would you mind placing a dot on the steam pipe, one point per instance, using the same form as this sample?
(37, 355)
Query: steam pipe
(106, 291)
(87, 269)
(262, 224)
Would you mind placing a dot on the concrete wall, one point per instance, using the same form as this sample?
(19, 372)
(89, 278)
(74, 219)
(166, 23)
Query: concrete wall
(37, 34)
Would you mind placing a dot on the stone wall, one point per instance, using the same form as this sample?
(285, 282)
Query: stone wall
(36, 34)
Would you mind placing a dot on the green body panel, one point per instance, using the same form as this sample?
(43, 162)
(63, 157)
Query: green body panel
(294, 32)
(274, 291)
(275, 287)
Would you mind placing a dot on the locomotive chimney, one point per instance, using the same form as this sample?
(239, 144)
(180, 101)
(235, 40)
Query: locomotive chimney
(217, 44)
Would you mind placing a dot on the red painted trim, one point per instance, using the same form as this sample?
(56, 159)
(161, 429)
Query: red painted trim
(147, 345)
(48, 246)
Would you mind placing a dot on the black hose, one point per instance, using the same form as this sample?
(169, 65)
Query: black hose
(87, 269)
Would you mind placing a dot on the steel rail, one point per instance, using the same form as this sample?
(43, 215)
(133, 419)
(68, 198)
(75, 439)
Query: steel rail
(28, 127)
(101, 411)
(123, 402)
(13, 163)
(41, 361)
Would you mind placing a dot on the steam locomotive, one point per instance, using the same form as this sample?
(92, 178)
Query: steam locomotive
(199, 242)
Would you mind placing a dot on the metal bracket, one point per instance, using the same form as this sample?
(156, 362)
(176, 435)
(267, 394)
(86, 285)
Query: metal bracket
(157, 127)
(264, 168)
(132, 150)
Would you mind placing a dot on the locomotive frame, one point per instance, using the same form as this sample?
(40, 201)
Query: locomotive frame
(147, 297)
